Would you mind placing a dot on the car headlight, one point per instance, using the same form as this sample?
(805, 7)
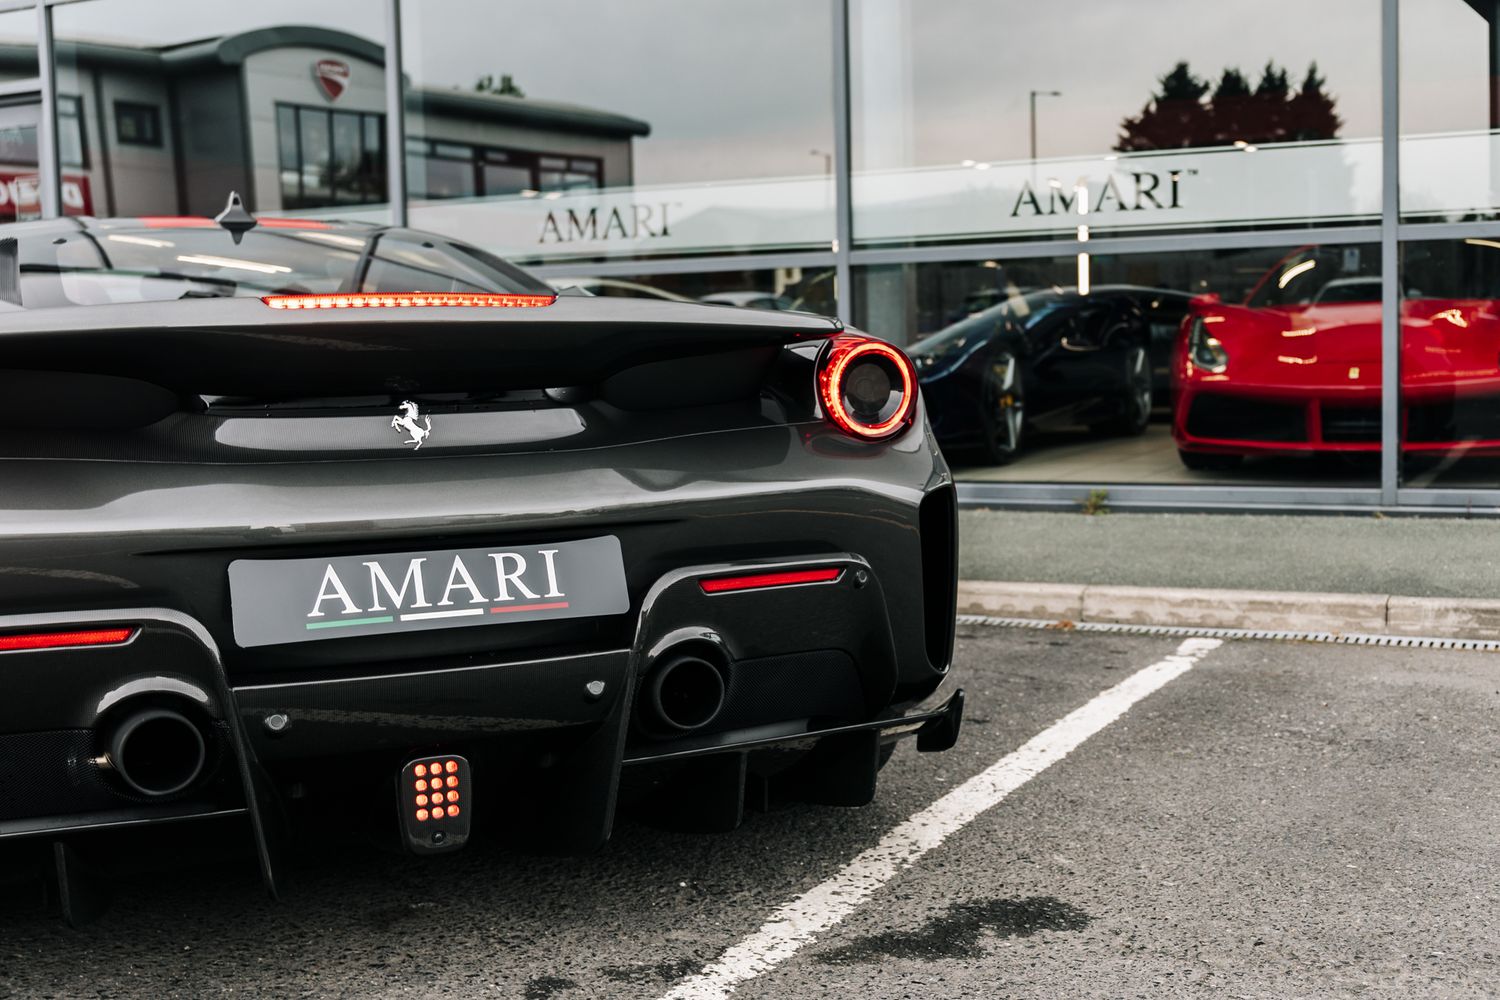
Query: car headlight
(1204, 351)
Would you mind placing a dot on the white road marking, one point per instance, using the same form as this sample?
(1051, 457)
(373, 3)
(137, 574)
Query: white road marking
(799, 921)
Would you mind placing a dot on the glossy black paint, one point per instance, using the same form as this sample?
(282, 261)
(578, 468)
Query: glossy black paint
(690, 433)
(1074, 355)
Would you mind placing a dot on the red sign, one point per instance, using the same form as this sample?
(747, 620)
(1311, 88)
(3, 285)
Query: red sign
(21, 196)
(332, 76)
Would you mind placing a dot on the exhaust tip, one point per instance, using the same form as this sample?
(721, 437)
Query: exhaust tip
(683, 693)
(158, 752)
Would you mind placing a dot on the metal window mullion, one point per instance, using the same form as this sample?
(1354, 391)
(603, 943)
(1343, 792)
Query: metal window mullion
(1390, 260)
(1448, 230)
(1471, 499)
(395, 122)
(49, 172)
(1169, 496)
(843, 209)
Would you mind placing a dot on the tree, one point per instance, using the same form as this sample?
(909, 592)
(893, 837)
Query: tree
(1231, 109)
(505, 86)
(1272, 95)
(1310, 114)
(1176, 111)
(1184, 114)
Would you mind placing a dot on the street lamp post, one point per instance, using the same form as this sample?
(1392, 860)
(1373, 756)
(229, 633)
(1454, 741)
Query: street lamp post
(1034, 95)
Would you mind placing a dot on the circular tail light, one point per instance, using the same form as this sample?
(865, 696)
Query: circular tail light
(867, 387)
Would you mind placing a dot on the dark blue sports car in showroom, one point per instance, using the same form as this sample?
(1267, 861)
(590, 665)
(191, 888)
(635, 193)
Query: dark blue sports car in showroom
(1049, 356)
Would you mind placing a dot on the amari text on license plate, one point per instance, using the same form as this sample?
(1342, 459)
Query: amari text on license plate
(297, 600)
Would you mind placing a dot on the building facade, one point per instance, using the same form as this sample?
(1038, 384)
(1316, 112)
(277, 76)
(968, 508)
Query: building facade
(1294, 226)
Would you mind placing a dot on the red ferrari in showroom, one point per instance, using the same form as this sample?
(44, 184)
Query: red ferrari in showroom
(1296, 368)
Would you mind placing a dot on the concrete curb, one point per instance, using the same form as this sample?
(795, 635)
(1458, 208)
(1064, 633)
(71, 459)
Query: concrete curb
(1375, 614)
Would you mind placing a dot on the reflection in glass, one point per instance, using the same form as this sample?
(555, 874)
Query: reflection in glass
(668, 128)
(1450, 362)
(1450, 109)
(1256, 365)
(975, 120)
(115, 261)
(774, 289)
(168, 105)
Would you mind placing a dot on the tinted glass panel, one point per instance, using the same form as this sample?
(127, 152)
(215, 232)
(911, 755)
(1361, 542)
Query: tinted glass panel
(1450, 362)
(1256, 366)
(120, 261)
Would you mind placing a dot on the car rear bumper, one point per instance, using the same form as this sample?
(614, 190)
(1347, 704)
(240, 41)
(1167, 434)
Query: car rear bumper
(573, 722)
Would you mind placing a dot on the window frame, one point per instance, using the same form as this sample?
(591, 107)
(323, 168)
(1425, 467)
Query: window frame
(151, 113)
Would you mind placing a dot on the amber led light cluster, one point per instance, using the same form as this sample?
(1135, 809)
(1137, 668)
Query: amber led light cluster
(436, 790)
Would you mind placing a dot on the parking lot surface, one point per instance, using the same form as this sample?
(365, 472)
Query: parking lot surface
(1274, 819)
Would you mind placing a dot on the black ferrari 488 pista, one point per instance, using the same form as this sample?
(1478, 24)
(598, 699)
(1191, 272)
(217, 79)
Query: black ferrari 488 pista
(310, 529)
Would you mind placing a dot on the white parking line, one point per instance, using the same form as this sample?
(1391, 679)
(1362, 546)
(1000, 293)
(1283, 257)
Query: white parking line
(799, 921)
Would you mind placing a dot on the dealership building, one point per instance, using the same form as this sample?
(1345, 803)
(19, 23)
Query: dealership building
(1292, 223)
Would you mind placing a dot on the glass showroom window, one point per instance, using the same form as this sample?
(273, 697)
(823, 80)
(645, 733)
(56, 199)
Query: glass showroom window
(1450, 362)
(20, 111)
(980, 121)
(1251, 366)
(181, 102)
(330, 157)
(19, 115)
(1450, 283)
(673, 128)
(1450, 110)
(438, 170)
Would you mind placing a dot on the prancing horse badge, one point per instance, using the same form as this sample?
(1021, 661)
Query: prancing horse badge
(406, 422)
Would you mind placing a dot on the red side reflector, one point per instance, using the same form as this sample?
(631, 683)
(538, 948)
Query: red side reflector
(759, 581)
(403, 299)
(65, 640)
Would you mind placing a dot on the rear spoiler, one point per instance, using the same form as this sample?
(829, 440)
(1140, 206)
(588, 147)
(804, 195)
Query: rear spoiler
(242, 347)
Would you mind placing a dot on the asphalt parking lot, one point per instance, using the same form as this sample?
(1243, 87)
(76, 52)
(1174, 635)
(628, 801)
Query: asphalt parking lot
(1274, 819)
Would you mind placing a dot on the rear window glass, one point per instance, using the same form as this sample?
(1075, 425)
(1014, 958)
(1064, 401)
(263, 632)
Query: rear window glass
(128, 261)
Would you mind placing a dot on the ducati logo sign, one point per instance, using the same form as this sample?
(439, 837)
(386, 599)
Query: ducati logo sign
(406, 423)
(332, 76)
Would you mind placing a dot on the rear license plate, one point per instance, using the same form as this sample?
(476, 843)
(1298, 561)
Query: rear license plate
(297, 600)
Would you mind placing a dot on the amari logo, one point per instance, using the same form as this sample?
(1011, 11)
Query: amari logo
(301, 600)
(504, 591)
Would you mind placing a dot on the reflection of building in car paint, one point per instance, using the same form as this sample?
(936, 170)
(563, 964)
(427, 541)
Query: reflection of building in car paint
(292, 117)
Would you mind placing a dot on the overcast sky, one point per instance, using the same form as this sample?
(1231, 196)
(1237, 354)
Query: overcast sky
(742, 88)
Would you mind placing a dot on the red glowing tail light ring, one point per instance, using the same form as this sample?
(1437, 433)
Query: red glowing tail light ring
(390, 300)
(841, 353)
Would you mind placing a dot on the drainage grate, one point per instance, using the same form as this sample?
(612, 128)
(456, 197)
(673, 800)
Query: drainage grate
(1190, 631)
